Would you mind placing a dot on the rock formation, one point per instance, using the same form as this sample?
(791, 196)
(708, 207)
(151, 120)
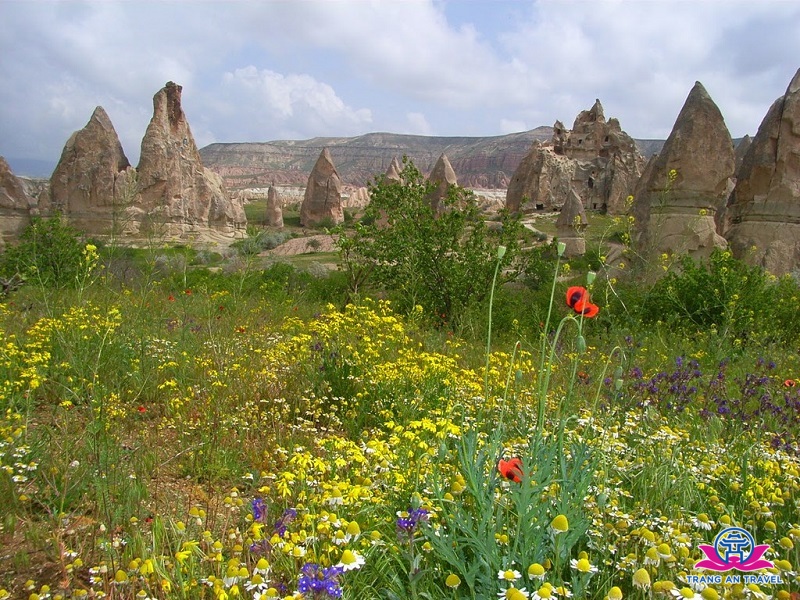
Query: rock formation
(177, 194)
(677, 197)
(354, 197)
(570, 225)
(15, 205)
(323, 198)
(444, 177)
(394, 170)
(762, 221)
(741, 149)
(274, 208)
(595, 159)
(542, 181)
(92, 183)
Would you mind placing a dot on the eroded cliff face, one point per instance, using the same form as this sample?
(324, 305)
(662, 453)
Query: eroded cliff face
(486, 163)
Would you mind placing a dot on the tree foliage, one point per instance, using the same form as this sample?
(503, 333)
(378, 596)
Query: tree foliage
(49, 252)
(443, 261)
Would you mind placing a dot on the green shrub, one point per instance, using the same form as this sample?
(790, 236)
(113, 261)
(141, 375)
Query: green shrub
(50, 252)
(443, 262)
(726, 295)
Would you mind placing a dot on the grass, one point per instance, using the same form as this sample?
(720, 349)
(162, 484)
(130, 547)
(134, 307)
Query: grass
(192, 434)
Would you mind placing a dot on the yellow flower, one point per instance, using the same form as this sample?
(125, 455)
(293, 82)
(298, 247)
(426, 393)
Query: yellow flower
(709, 593)
(614, 594)
(452, 581)
(536, 571)
(641, 579)
(560, 524)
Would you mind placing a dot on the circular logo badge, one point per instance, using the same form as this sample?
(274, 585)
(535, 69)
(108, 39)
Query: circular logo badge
(734, 545)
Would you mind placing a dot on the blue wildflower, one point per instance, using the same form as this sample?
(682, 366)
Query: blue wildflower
(319, 582)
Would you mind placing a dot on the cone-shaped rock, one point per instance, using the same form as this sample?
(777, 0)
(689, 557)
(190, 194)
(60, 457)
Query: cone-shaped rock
(178, 194)
(444, 177)
(323, 198)
(15, 204)
(682, 188)
(274, 208)
(569, 225)
(394, 170)
(763, 213)
(90, 184)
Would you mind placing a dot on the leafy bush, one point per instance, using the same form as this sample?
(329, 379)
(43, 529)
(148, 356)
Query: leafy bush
(50, 252)
(726, 295)
(260, 241)
(442, 261)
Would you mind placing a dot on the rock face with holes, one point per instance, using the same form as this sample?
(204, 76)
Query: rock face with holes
(16, 205)
(678, 196)
(596, 160)
(178, 196)
(762, 220)
(274, 208)
(322, 202)
(444, 177)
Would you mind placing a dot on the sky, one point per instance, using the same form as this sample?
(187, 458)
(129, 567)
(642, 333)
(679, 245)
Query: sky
(255, 71)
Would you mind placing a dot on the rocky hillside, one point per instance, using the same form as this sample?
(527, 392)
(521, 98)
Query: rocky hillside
(479, 162)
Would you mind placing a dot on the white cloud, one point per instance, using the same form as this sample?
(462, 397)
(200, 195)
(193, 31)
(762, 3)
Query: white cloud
(263, 101)
(417, 124)
(276, 69)
(512, 126)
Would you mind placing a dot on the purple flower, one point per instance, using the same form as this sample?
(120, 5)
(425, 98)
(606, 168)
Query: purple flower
(406, 526)
(288, 516)
(319, 582)
(259, 509)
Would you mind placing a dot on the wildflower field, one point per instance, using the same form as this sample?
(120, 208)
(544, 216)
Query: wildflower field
(209, 435)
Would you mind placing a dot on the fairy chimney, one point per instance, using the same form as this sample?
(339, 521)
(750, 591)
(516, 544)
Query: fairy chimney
(177, 193)
(322, 202)
(677, 197)
(274, 208)
(92, 182)
(570, 226)
(762, 220)
(443, 177)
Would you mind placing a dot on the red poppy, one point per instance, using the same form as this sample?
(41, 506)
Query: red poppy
(141, 409)
(586, 308)
(576, 294)
(790, 383)
(171, 298)
(578, 300)
(511, 469)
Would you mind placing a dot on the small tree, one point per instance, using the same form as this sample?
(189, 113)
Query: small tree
(50, 252)
(442, 261)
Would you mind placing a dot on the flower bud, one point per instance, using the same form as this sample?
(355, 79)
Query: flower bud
(590, 276)
(562, 247)
(501, 252)
(581, 343)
